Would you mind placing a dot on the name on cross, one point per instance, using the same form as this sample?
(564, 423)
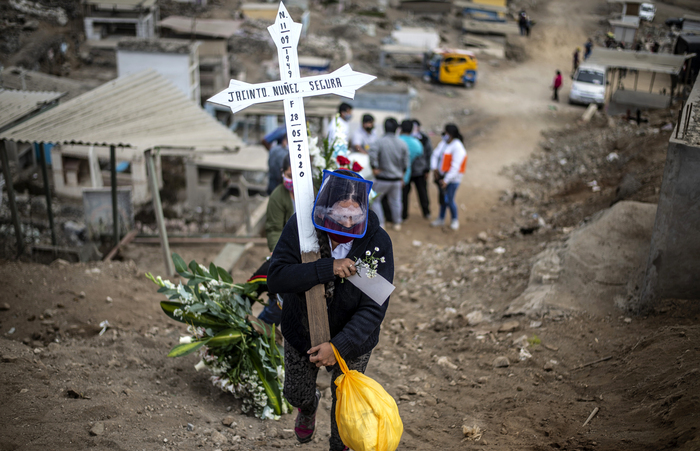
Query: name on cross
(282, 89)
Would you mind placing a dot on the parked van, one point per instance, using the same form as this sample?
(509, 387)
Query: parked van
(588, 85)
(647, 11)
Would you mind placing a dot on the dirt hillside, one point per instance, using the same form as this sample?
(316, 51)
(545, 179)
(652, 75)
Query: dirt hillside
(83, 346)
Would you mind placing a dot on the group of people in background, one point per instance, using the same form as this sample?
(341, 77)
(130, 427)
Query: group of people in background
(575, 62)
(400, 158)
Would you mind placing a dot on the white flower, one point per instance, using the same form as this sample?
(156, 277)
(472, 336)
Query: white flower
(376, 249)
(201, 365)
(368, 253)
(184, 340)
(383, 260)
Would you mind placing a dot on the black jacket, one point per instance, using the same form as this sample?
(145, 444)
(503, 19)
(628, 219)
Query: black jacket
(354, 318)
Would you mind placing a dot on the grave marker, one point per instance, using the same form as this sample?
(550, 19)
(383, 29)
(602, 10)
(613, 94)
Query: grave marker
(292, 89)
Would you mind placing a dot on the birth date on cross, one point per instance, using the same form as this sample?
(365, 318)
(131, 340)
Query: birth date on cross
(291, 89)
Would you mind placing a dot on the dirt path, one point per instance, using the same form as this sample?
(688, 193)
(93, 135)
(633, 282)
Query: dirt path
(127, 395)
(508, 109)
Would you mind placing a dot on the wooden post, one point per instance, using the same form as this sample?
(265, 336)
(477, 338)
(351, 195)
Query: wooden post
(651, 86)
(115, 206)
(243, 187)
(11, 199)
(47, 189)
(158, 208)
(316, 307)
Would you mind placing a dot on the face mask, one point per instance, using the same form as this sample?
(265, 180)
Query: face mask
(369, 129)
(446, 137)
(340, 238)
(288, 184)
(347, 117)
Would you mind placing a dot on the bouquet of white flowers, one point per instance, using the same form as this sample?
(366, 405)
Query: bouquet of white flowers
(240, 351)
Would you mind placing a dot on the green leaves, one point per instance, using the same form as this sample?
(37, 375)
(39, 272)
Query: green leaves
(225, 338)
(201, 320)
(197, 274)
(268, 379)
(237, 343)
(225, 276)
(187, 348)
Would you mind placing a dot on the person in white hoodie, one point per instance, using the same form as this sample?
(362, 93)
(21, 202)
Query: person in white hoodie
(448, 163)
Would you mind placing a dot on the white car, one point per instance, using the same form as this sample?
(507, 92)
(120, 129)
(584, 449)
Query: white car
(647, 11)
(588, 85)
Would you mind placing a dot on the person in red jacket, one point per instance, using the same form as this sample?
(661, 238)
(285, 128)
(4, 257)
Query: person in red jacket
(556, 85)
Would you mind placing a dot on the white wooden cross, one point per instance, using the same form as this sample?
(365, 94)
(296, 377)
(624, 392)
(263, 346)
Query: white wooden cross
(292, 89)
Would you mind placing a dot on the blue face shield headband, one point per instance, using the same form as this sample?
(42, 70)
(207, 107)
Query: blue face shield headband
(342, 204)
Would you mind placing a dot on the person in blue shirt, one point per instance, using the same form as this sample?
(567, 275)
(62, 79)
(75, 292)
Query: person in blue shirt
(415, 153)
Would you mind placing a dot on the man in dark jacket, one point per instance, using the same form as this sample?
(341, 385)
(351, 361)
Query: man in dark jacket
(420, 169)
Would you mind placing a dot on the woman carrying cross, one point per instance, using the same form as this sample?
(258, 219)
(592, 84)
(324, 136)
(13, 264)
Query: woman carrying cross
(347, 230)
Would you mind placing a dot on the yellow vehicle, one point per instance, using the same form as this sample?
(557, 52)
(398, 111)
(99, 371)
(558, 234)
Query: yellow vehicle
(452, 66)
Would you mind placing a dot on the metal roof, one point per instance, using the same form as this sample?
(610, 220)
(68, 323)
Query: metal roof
(691, 17)
(18, 105)
(628, 1)
(246, 159)
(664, 63)
(37, 81)
(121, 4)
(202, 27)
(623, 24)
(142, 110)
(500, 28)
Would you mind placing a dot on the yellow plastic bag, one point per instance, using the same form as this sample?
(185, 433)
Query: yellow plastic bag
(367, 416)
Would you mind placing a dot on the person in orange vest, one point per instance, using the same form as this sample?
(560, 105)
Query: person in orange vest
(448, 162)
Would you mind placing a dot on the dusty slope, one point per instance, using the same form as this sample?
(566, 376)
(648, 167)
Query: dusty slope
(646, 392)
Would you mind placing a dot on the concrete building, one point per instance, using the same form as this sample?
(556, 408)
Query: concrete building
(175, 59)
(213, 35)
(691, 23)
(422, 38)
(480, 11)
(674, 257)
(630, 10)
(624, 31)
(116, 18)
(260, 11)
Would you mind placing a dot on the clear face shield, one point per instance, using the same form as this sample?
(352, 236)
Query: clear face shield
(342, 204)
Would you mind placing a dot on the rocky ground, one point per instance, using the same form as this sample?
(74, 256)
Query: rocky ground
(83, 346)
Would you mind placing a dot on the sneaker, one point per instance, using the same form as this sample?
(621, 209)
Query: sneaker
(397, 227)
(305, 425)
(437, 223)
(454, 225)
